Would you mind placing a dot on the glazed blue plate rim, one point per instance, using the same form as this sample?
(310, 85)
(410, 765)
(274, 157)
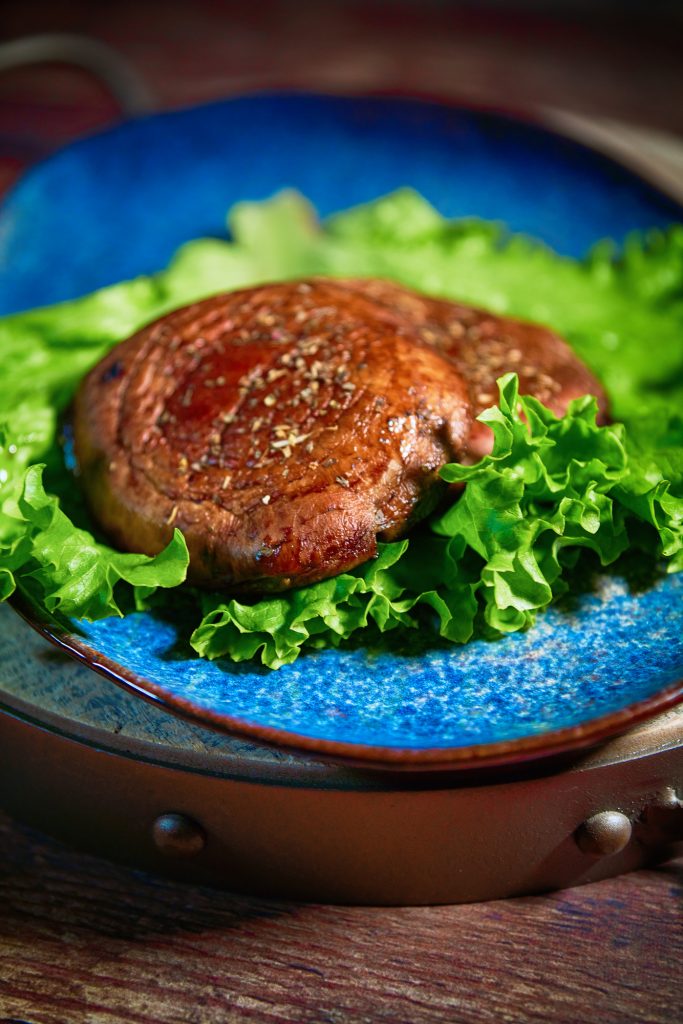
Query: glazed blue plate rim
(551, 741)
(520, 118)
(409, 758)
(483, 117)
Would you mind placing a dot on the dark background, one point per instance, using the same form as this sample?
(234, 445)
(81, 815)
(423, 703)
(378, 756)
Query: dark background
(600, 58)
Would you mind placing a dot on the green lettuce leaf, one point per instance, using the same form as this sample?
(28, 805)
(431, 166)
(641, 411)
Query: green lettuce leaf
(381, 595)
(552, 486)
(552, 493)
(64, 568)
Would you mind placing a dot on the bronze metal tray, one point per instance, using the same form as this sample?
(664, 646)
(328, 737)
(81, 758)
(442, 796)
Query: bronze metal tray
(104, 771)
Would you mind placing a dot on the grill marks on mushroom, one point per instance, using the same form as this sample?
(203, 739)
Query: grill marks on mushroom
(283, 429)
(286, 428)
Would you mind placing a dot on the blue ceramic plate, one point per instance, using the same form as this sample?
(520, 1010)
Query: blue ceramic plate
(120, 203)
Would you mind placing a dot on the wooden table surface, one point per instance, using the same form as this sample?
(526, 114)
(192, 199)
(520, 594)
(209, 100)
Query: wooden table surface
(86, 942)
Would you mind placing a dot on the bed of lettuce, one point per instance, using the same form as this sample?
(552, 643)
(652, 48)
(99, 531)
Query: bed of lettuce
(554, 492)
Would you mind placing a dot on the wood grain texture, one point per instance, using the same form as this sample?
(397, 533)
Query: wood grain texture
(84, 942)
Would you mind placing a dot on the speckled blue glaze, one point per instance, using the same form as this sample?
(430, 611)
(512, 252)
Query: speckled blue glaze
(615, 649)
(120, 203)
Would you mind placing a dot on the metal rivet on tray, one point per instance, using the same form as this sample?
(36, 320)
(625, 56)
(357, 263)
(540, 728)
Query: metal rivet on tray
(604, 834)
(177, 835)
(661, 821)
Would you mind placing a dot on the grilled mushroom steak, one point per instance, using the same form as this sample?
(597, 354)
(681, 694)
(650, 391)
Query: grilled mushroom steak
(484, 347)
(283, 429)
